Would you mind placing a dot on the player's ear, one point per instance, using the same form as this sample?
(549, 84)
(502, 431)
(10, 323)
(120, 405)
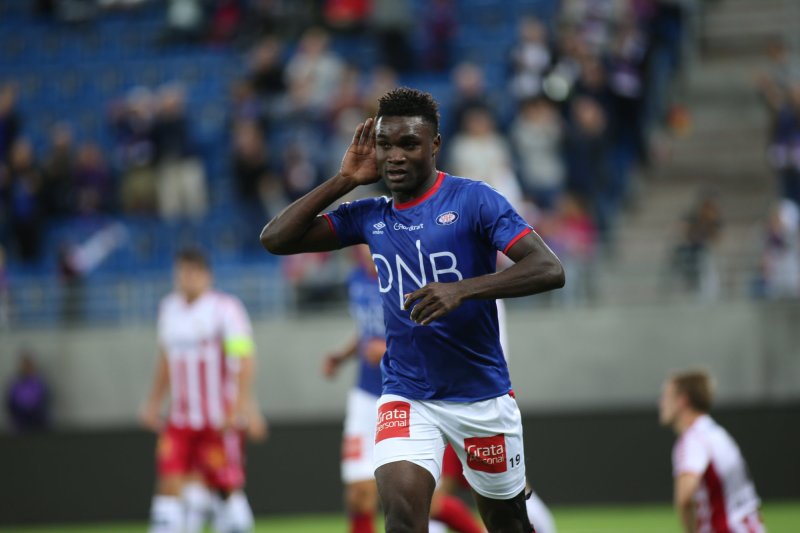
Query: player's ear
(437, 144)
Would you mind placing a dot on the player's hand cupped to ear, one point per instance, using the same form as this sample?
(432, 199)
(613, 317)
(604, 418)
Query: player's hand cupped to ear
(433, 301)
(359, 162)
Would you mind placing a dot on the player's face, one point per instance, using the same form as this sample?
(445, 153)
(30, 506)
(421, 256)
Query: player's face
(406, 149)
(668, 404)
(191, 279)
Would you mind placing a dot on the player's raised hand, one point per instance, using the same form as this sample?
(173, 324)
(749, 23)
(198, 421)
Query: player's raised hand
(330, 366)
(359, 163)
(433, 301)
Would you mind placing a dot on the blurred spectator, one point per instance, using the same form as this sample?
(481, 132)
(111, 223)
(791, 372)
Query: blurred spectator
(77, 260)
(314, 69)
(588, 161)
(666, 31)
(93, 181)
(348, 94)
(265, 70)
(530, 58)
(5, 295)
(180, 175)
(258, 187)
(58, 173)
(9, 119)
(693, 256)
(573, 235)
(594, 20)
(470, 93)
(626, 87)
(383, 80)
(25, 209)
(245, 104)
(780, 258)
(185, 21)
(774, 82)
(536, 136)
(225, 20)
(785, 146)
(592, 82)
(28, 397)
(560, 80)
(479, 151)
(440, 28)
(392, 21)
(132, 120)
(300, 175)
(346, 15)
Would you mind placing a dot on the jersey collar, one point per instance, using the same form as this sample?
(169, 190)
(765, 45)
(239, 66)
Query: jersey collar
(430, 192)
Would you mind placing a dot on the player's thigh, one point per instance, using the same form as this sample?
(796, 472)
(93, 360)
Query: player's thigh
(358, 439)
(487, 437)
(220, 458)
(406, 431)
(405, 492)
(173, 459)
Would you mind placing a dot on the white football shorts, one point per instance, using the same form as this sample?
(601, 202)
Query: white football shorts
(486, 435)
(359, 436)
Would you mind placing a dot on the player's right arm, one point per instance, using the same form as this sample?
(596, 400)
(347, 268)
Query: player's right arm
(299, 228)
(686, 484)
(150, 415)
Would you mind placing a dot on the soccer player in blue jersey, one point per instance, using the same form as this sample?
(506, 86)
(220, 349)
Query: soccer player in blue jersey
(367, 346)
(434, 243)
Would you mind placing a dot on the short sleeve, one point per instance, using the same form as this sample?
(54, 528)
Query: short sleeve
(237, 331)
(497, 221)
(349, 219)
(689, 456)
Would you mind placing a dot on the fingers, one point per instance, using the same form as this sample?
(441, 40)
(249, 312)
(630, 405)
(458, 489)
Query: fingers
(357, 134)
(366, 132)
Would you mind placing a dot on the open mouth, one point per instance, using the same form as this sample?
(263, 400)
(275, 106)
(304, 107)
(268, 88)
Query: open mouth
(396, 174)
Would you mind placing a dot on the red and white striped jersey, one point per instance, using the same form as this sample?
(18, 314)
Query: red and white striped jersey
(203, 342)
(726, 501)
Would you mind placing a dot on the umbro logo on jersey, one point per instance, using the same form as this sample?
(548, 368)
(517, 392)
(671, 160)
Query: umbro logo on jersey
(447, 218)
(378, 228)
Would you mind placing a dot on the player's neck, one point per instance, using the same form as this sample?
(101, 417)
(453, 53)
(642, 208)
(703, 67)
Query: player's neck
(403, 198)
(685, 421)
(191, 298)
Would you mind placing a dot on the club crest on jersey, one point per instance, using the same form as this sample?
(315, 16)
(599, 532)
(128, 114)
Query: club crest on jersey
(447, 218)
(378, 228)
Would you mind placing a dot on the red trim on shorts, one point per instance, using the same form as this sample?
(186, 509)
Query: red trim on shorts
(327, 217)
(520, 235)
(512, 394)
(430, 192)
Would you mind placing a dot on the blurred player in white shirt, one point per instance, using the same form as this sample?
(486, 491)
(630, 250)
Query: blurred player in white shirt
(713, 489)
(206, 363)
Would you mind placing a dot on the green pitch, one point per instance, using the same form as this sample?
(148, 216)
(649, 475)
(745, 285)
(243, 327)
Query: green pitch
(778, 517)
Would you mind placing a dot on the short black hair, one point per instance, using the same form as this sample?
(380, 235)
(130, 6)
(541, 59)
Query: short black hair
(194, 256)
(407, 102)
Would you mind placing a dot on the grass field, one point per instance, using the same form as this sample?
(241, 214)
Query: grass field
(779, 518)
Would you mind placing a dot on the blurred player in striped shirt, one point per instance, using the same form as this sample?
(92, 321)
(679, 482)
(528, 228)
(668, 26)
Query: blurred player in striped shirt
(206, 362)
(713, 489)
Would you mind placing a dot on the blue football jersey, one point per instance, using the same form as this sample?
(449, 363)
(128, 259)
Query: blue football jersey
(366, 308)
(450, 233)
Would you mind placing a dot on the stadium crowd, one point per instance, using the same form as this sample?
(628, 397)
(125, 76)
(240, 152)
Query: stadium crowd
(563, 128)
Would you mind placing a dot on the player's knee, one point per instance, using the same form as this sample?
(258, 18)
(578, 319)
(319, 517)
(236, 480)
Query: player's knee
(505, 516)
(403, 514)
(170, 486)
(361, 497)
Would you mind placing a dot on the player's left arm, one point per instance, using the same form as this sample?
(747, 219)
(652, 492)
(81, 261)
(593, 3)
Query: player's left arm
(536, 269)
(686, 484)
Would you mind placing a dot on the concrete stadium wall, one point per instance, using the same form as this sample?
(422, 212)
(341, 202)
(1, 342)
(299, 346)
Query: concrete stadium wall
(560, 360)
(602, 456)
